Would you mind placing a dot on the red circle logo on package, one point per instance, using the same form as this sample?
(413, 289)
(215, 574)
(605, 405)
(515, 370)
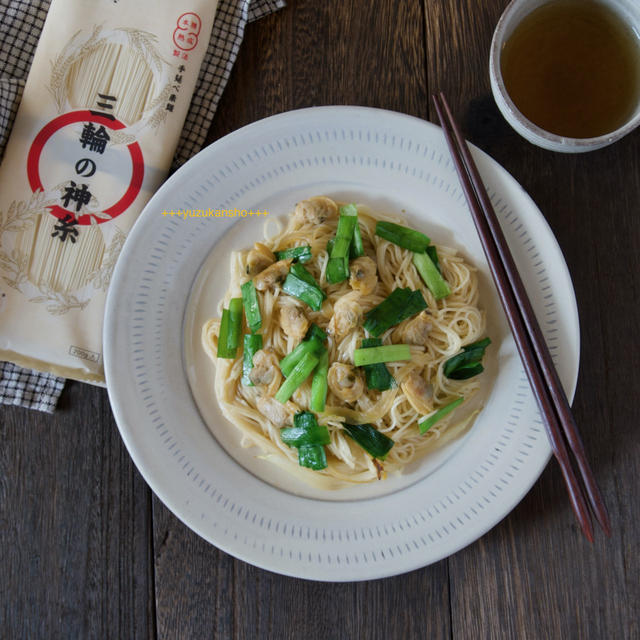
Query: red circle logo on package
(185, 35)
(93, 140)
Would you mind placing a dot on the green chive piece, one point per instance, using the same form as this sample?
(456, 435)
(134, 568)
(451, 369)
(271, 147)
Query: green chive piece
(223, 337)
(299, 374)
(230, 329)
(425, 425)
(385, 353)
(298, 254)
(466, 364)
(319, 383)
(341, 245)
(309, 438)
(235, 322)
(431, 276)
(312, 343)
(377, 376)
(289, 362)
(312, 456)
(300, 284)
(297, 437)
(349, 210)
(433, 254)
(356, 248)
(310, 294)
(403, 236)
(303, 274)
(306, 430)
(251, 306)
(252, 344)
(370, 439)
(315, 331)
(304, 419)
(398, 306)
(337, 270)
(338, 265)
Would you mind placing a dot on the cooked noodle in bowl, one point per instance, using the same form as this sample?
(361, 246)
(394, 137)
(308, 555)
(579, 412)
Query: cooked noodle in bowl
(438, 342)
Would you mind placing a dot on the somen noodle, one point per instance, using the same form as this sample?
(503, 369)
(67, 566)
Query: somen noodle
(420, 386)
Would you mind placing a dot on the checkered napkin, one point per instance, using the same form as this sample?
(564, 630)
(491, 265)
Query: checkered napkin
(21, 22)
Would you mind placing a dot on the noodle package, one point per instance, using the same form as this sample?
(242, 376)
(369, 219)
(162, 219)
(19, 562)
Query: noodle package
(100, 118)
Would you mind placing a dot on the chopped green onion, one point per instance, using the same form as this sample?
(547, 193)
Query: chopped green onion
(398, 306)
(312, 343)
(403, 236)
(337, 270)
(299, 374)
(341, 246)
(230, 329)
(338, 265)
(480, 344)
(356, 248)
(312, 456)
(370, 439)
(299, 254)
(349, 210)
(252, 343)
(309, 438)
(300, 284)
(370, 342)
(223, 337)
(235, 322)
(425, 425)
(288, 363)
(315, 331)
(466, 372)
(433, 254)
(385, 353)
(319, 383)
(352, 250)
(301, 272)
(305, 430)
(297, 436)
(251, 306)
(431, 276)
(346, 222)
(377, 376)
(466, 364)
(304, 419)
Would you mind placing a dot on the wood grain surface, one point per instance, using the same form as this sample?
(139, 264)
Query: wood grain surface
(87, 551)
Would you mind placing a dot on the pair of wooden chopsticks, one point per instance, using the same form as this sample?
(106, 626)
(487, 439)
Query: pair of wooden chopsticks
(543, 378)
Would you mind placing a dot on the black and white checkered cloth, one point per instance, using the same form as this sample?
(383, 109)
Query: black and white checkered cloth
(29, 388)
(21, 22)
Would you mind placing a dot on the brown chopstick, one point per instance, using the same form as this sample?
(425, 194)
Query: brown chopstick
(542, 375)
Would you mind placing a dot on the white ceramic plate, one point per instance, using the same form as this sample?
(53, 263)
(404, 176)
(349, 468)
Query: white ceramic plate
(388, 161)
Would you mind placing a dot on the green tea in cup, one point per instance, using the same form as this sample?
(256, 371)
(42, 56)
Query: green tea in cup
(573, 68)
(565, 72)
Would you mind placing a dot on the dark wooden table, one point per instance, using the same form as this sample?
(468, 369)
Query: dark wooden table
(87, 551)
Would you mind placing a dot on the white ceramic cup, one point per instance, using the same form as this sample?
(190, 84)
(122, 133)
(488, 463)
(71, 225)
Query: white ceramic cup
(628, 10)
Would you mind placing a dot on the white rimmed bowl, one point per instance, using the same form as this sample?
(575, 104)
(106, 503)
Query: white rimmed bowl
(389, 161)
